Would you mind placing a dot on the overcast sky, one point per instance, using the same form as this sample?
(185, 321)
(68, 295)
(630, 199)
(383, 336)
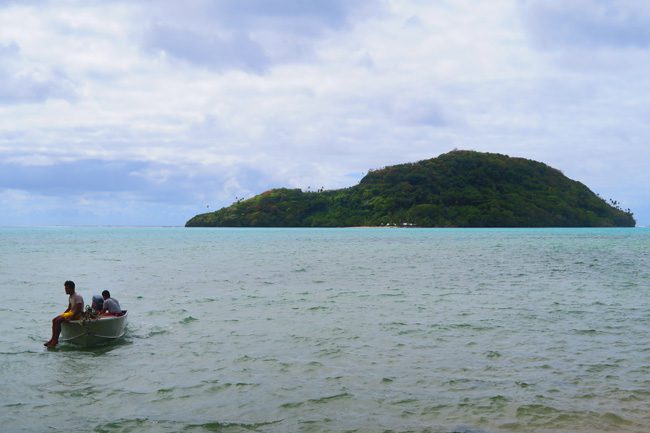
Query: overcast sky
(147, 112)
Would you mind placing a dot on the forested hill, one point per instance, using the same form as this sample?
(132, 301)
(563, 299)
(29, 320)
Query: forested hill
(456, 189)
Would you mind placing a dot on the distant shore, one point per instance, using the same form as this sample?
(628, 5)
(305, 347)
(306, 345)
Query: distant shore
(383, 227)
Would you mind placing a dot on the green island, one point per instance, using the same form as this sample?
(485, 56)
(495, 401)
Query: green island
(457, 189)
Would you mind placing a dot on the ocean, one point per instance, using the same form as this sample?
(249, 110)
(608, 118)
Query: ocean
(331, 330)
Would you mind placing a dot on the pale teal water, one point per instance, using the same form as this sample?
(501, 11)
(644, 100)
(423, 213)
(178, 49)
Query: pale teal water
(315, 330)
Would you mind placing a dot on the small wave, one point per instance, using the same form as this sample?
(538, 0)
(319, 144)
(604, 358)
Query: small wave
(632, 397)
(228, 427)
(188, 319)
(151, 333)
(434, 410)
(330, 353)
(321, 400)
(597, 368)
(409, 331)
(244, 358)
(123, 425)
(407, 401)
(84, 392)
(218, 387)
(499, 399)
(22, 352)
(461, 326)
(218, 426)
(465, 429)
(555, 419)
(535, 411)
(585, 331)
(395, 324)
(614, 419)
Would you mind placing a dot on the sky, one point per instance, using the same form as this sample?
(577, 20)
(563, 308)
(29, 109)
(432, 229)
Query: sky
(148, 112)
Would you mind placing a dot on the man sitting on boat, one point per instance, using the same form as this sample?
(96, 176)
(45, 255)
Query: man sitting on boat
(74, 310)
(111, 306)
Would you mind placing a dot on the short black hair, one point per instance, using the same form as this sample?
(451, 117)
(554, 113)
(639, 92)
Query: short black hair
(106, 294)
(69, 284)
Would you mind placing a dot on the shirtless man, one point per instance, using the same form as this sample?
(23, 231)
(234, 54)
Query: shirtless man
(74, 310)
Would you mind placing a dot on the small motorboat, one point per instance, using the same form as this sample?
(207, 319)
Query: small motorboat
(94, 330)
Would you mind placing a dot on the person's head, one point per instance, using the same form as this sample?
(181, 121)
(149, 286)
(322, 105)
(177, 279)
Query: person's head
(106, 294)
(69, 287)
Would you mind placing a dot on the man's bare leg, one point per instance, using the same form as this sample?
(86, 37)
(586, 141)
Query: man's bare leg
(56, 331)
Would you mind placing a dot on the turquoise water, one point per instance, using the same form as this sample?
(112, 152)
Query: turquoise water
(332, 330)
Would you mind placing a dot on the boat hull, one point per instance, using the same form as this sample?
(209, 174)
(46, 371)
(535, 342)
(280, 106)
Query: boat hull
(87, 333)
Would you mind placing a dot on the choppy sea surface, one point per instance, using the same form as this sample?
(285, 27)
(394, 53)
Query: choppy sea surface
(331, 330)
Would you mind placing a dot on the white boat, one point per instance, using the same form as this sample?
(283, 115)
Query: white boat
(94, 332)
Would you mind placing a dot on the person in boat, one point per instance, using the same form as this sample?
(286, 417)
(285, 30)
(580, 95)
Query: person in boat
(74, 310)
(111, 305)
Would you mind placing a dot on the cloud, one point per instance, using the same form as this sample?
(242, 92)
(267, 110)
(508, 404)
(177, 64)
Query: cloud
(125, 192)
(249, 35)
(72, 177)
(22, 208)
(588, 23)
(234, 51)
(146, 180)
(8, 51)
(19, 86)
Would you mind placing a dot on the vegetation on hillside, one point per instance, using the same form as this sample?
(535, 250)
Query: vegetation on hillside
(456, 189)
